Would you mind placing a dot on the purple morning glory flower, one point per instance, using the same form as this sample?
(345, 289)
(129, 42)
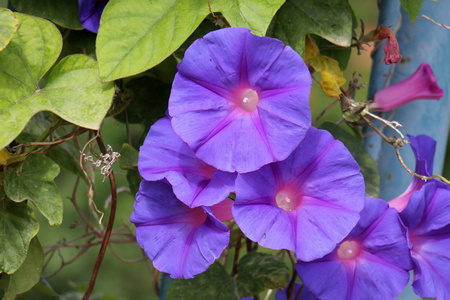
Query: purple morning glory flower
(423, 148)
(420, 85)
(427, 217)
(240, 101)
(165, 155)
(372, 262)
(180, 240)
(90, 13)
(305, 293)
(307, 203)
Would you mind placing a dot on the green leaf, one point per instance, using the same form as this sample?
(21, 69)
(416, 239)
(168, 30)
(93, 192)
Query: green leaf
(62, 12)
(8, 25)
(260, 271)
(369, 168)
(65, 159)
(330, 19)
(28, 274)
(214, 284)
(33, 180)
(18, 226)
(253, 14)
(73, 91)
(128, 157)
(135, 35)
(150, 101)
(134, 180)
(412, 7)
(340, 54)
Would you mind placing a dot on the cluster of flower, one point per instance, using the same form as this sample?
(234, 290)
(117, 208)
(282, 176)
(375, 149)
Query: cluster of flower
(239, 121)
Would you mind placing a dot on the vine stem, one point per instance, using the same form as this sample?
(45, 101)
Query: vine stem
(109, 227)
(399, 142)
(326, 109)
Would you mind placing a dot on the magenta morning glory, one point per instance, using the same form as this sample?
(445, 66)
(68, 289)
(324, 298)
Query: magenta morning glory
(240, 101)
(427, 217)
(180, 240)
(420, 85)
(165, 155)
(423, 148)
(307, 203)
(371, 263)
(90, 13)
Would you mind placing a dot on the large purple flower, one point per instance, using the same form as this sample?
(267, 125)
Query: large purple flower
(90, 13)
(427, 217)
(307, 203)
(181, 241)
(194, 182)
(423, 148)
(420, 85)
(240, 101)
(372, 262)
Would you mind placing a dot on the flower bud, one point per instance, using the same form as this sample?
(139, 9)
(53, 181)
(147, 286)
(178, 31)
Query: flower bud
(420, 85)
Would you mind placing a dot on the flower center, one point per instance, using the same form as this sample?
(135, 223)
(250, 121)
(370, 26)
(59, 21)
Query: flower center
(287, 199)
(349, 250)
(197, 216)
(247, 99)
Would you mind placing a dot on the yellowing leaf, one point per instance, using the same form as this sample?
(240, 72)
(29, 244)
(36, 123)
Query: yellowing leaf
(311, 49)
(332, 80)
(4, 155)
(332, 77)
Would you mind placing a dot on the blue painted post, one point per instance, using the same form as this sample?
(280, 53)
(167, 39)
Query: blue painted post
(420, 42)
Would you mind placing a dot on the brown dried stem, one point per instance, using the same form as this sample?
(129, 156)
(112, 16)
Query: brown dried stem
(109, 227)
(399, 142)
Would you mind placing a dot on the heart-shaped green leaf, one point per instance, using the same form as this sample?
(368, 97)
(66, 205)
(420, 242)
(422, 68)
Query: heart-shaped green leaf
(330, 19)
(18, 226)
(260, 271)
(135, 35)
(253, 14)
(62, 12)
(8, 25)
(33, 180)
(27, 275)
(73, 91)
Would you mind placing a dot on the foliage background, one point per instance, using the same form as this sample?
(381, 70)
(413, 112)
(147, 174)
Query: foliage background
(134, 281)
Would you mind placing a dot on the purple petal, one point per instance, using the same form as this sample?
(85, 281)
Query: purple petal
(90, 13)
(180, 241)
(272, 66)
(165, 155)
(374, 277)
(386, 236)
(216, 59)
(428, 209)
(423, 148)
(216, 95)
(327, 190)
(427, 217)
(432, 270)
(305, 293)
(326, 278)
(380, 267)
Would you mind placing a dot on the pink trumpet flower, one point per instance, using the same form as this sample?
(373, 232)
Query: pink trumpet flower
(420, 85)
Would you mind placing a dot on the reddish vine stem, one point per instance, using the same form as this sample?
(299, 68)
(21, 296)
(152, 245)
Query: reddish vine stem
(237, 249)
(325, 111)
(291, 287)
(109, 227)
